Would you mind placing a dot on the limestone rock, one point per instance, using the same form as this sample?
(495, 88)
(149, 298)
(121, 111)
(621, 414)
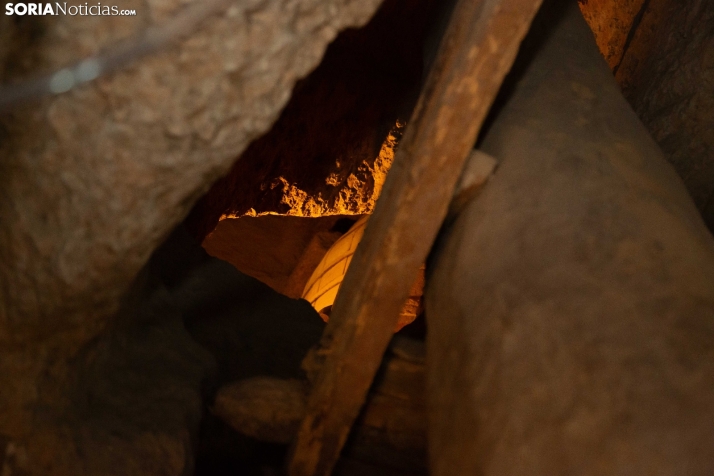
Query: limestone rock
(268, 409)
(94, 179)
(667, 74)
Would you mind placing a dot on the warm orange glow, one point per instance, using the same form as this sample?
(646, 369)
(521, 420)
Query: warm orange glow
(321, 289)
(358, 196)
(611, 22)
(324, 284)
(353, 199)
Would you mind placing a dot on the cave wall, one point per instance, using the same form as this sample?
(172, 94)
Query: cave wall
(611, 22)
(93, 180)
(667, 75)
(331, 142)
(662, 55)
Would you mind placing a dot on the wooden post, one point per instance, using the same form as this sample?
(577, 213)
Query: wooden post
(475, 55)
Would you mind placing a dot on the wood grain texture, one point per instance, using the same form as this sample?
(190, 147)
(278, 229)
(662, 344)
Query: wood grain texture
(477, 51)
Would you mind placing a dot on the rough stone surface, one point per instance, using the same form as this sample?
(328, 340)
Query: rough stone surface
(249, 329)
(7, 35)
(667, 75)
(265, 408)
(324, 154)
(661, 53)
(571, 305)
(131, 400)
(94, 179)
(611, 22)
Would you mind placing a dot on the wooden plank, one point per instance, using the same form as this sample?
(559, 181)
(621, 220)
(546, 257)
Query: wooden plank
(477, 51)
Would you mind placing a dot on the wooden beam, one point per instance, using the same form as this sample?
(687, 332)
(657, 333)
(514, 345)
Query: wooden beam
(475, 55)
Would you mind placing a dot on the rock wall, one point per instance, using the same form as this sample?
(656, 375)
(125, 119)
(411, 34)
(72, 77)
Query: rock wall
(661, 53)
(93, 180)
(329, 151)
(612, 22)
(667, 75)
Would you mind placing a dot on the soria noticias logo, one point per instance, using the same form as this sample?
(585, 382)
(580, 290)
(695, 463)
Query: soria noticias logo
(62, 8)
